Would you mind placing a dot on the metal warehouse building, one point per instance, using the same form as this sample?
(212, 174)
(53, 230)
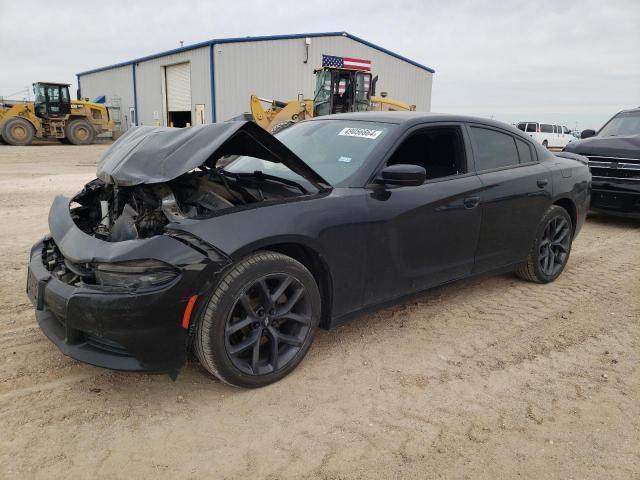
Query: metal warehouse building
(212, 81)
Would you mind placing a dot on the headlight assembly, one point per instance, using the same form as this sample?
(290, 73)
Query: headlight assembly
(134, 274)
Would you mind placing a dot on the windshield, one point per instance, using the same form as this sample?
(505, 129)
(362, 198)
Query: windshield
(622, 124)
(335, 149)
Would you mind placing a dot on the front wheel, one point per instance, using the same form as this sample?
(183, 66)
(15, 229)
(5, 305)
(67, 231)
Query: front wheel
(550, 251)
(545, 144)
(18, 131)
(260, 321)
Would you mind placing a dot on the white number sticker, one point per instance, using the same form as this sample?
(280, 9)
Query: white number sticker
(360, 132)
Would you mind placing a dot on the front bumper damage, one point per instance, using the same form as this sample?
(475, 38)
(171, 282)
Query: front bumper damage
(115, 327)
(616, 197)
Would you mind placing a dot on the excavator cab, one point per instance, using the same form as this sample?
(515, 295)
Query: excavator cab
(340, 90)
(52, 100)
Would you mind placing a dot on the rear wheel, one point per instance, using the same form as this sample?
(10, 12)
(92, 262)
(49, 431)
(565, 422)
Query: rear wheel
(260, 321)
(551, 248)
(80, 132)
(545, 144)
(18, 131)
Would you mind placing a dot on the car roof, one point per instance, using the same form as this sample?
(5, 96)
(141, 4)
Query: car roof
(408, 119)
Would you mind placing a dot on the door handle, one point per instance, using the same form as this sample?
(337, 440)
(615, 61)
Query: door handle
(471, 202)
(543, 182)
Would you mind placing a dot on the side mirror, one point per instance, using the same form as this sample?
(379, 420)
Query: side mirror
(587, 133)
(403, 175)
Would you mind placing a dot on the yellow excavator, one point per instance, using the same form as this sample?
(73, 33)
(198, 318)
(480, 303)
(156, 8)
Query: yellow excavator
(338, 90)
(52, 115)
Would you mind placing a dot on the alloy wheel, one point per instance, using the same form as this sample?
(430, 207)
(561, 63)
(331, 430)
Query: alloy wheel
(554, 245)
(268, 324)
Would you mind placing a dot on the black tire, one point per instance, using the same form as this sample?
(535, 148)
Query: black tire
(545, 144)
(551, 249)
(64, 141)
(18, 131)
(80, 132)
(252, 309)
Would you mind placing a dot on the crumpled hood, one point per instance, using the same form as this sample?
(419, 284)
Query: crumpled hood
(623, 147)
(159, 154)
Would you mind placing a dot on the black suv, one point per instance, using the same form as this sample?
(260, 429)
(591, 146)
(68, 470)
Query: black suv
(614, 160)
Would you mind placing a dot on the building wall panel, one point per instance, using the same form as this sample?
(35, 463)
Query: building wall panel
(116, 85)
(269, 68)
(276, 69)
(150, 85)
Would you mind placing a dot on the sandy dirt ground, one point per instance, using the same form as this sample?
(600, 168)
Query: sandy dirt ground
(490, 378)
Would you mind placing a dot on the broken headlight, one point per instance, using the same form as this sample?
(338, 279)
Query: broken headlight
(134, 274)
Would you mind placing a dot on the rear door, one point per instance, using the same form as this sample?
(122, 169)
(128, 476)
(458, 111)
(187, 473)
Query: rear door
(546, 134)
(516, 191)
(558, 139)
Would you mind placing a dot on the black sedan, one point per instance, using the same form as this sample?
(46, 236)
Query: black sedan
(228, 241)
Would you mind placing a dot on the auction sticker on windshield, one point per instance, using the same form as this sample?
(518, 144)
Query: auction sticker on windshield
(360, 132)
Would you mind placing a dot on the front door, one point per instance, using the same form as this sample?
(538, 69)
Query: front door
(424, 235)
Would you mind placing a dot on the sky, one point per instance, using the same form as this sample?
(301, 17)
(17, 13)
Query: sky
(571, 62)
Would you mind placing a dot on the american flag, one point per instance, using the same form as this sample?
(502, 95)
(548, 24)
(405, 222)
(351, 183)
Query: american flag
(345, 62)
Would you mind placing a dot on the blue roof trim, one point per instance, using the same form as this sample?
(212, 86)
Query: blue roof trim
(258, 39)
(388, 52)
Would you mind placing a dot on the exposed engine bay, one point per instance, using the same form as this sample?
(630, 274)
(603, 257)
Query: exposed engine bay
(116, 213)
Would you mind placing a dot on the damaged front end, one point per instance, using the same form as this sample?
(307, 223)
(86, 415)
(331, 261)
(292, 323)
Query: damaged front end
(155, 176)
(117, 281)
(115, 214)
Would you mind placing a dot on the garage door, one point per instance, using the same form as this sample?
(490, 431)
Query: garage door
(178, 78)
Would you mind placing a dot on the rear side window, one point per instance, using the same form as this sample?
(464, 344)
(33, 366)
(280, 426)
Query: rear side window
(524, 151)
(532, 127)
(494, 149)
(546, 128)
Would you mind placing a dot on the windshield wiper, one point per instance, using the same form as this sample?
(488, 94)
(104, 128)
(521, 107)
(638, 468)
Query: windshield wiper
(260, 175)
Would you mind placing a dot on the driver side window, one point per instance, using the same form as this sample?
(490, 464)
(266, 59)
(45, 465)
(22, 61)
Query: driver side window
(439, 150)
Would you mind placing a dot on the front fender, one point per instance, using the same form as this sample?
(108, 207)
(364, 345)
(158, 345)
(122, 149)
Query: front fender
(334, 226)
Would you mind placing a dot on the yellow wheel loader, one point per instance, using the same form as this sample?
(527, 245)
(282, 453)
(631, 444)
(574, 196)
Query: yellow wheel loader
(338, 90)
(53, 115)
